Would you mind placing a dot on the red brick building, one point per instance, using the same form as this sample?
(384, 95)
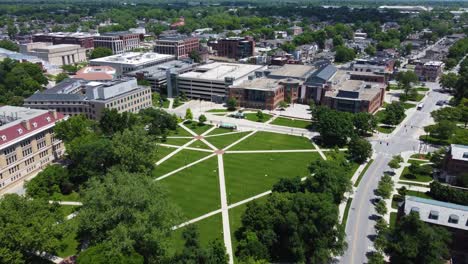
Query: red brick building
(179, 45)
(235, 48)
(84, 40)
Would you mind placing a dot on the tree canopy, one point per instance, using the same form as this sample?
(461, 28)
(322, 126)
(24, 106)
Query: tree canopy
(100, 52)
(335, 127)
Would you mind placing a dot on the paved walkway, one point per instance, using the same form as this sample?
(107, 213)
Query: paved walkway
(67, 203)
(224, 209)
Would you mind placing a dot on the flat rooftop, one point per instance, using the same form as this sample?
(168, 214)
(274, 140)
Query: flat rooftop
(355, 89)
(260, 84)
(459, 152)
(437, 203)
(59, 46)
(292, 70)
(134, 58)
(161, 69)
(217, 71)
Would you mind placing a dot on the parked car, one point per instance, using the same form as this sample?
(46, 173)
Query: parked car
(440, 103)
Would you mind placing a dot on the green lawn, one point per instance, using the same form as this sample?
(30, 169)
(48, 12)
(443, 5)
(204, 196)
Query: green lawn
(422, 89)
(419, 194)
(69, 242)
(253, 117)
(197, 128)
(179, 132)
(379, 116)
(346, 212)
(67, 210)
(217, 110)
(225, 140)
(356, 184)
(162, 152)
(420, 156)
(209, 229)
(176, 141)
(385, 129)
(250, 174)
(180, 159)
(407, 105)
(72, 197)
(220, 130)
(196, 189)
(413, 184)
(395, 200)
(406, 175)
(268, 141)
(282, 121)
(199, 144)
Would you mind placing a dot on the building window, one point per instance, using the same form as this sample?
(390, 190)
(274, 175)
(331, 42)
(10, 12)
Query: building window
(434, 215)
(25, 143)
(41, 144)
(11, 159)
(9, 150)
(39, 136)
(27, 151)
(453, 219)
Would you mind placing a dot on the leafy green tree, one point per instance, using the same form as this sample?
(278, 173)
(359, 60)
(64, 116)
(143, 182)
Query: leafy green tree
(394, 113)
(442, 130)
(370, 50)
(100, 52)
(395, 162)
(329, 176)
(344, 54)
(112, 121)
(134, 150)
(73, 127)
(130, 211)
(288, 47)
(202, 119)
(159, 122)
(195, 56)
(405, 80)
(260, 116)
(376, 258)
(188, 114)
(231, 104)
(364, 123)
(61, 76)
(448, 81)
(283, 104)
(334, 127)
(338, 41)
(453, 114)
(381, 226)
(9, 45)
(283, 230)
(402, 191)
(381, 207)
(53, 179)
(413, 241)
(28, 226)
(288, 185)
(104, 253)
(359, 149)
(385, 186)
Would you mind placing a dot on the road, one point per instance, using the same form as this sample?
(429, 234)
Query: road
(360, 226)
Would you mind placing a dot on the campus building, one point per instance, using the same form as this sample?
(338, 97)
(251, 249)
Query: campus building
(178, 45)
(61, 54)
(382, 65)
(429, 71)
(234, 48)
(455, 163)
(296, 72)
(263, 93)
(85, 40)
(211, 81)
(355, 96)
(319, 82)
(131, 61)
(27, 142)
(118, 42)
(164, 75)
(78, 96)
(437, 212)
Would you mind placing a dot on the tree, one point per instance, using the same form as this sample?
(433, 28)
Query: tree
(402, 191)
(129, 211)
(448, 81)
(381, 207)
(231, 104)
(394, 113)
(334, 127)
(288, 47)
(260, 116)
(112, 121)
(364, 123)
(329, 176)
(343, 54)
(370, 50)
(104, 253)
(283, 230)
(73, 127)
(413, 241)
(395, 162)
(9, 45)
(359, 149)
(100, 52)
(283, 104)
(376, 258)
(338, 41)
(27, 226)
(453, 114)
(195, 56)
(134, 150)
(385, 186)
(188, 114)
(61, 76)
(53, 179)
(202, 119)
(158, 121)
(405, 79)
(442, 130)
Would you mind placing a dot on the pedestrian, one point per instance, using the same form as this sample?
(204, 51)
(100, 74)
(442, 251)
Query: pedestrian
(387, 143)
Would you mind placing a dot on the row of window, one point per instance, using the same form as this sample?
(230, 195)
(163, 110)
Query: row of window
(434, 215)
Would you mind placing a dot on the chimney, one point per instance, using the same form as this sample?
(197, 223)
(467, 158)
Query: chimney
(26, 124)
(54, 114)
